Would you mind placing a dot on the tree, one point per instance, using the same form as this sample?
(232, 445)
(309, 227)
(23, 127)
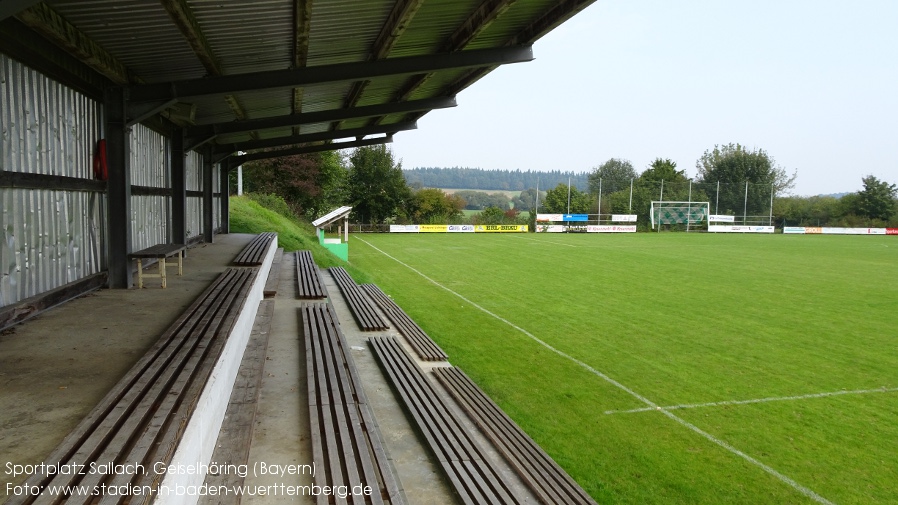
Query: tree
(556, 201)
(733, 166)
(433, 206)
(311, 184)
(491, 215)
(615, 175)
(376, 188)
(876, 200)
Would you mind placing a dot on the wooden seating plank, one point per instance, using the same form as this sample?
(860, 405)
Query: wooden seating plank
(424, 346)
(128, 419)
(189, 386)
(536, 468)
(360, 305)
(459, 455)
(344, 438)
(308, 279)
(254, 252)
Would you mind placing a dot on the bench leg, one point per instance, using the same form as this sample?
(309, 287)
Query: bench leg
(162, 271)
(180, 263)
(139, 274)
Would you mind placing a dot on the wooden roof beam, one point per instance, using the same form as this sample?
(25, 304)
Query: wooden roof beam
(397, 22)
(235, 161)
(483, 16)
(44, 20)
(302, 16)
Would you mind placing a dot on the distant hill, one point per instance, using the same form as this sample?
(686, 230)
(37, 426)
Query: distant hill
(837, 195)
(496, 180)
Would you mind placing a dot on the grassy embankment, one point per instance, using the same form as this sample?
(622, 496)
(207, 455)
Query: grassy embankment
(248, 216)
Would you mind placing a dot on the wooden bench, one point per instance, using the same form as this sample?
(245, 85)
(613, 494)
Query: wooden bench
(423, 345)
(254, 253)
(346, 445)
(140, 421)
(462, 459)
(362, 308)
(308, 278)
(160, 251)
(538, 470)
(274, 275)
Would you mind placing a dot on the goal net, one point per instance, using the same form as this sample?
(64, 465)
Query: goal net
(689, 214)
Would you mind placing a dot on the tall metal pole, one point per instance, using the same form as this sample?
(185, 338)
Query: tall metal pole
(770, 219)
(568, 195)
(745, 207)
(660, 199)
(599, 216)
(537, 195)
(689, 206)
(631, 197)
(717, 200)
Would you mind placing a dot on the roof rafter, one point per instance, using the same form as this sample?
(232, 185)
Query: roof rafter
(339, 72)
(302, 17)
(44, 20)
(400, 17)
(476, 22)
(264, 155)
(357, 133)
(181, 14)
(559, 13)
(204, 133)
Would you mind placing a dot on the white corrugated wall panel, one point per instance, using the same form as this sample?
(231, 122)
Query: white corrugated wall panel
(48, 238)
(194, 169)
(149, 167)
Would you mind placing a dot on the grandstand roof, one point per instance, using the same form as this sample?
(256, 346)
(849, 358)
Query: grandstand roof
(244, 76)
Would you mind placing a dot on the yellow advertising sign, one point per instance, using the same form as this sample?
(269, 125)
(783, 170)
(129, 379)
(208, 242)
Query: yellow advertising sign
(501, 228)
(433, 228)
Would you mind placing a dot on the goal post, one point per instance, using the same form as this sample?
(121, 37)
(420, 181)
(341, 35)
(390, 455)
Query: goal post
(691, 214)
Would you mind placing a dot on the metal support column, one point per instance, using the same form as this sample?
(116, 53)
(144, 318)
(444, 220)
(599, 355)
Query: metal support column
(118, 156)
(208, 171)
(225, 208)
(178, 188)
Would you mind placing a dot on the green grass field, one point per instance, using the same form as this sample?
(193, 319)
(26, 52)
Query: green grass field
(673, 368)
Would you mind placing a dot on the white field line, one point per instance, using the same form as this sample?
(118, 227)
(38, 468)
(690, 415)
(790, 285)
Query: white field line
(756, 400)
(782, 478)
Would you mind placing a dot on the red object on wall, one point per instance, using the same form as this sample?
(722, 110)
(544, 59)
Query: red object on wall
(101, 171)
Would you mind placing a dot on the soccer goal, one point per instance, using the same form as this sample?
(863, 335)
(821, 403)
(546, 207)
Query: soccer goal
(691, 214)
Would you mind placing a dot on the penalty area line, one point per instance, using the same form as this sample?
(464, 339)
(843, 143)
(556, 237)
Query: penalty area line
(756, 400)
(695, 429)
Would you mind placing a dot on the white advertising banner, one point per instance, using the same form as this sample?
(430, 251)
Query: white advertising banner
(403, 228)
(611, 229)
(461, 228)
(718, 218)
(722, 228)
(550, 228)
(816, 230)
(547, 218)
(854, 231)
(623, 218)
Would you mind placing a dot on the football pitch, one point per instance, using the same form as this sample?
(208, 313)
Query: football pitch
(673, 367)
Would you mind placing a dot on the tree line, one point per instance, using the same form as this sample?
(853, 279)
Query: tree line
(496, 180)
(733, 179)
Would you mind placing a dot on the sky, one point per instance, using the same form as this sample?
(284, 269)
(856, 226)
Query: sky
(813, 83)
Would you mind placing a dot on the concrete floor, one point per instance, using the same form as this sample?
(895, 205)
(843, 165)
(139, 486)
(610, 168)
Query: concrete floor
(56, 367)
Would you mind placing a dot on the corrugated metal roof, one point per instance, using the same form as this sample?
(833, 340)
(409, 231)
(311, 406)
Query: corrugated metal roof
(158, 41)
